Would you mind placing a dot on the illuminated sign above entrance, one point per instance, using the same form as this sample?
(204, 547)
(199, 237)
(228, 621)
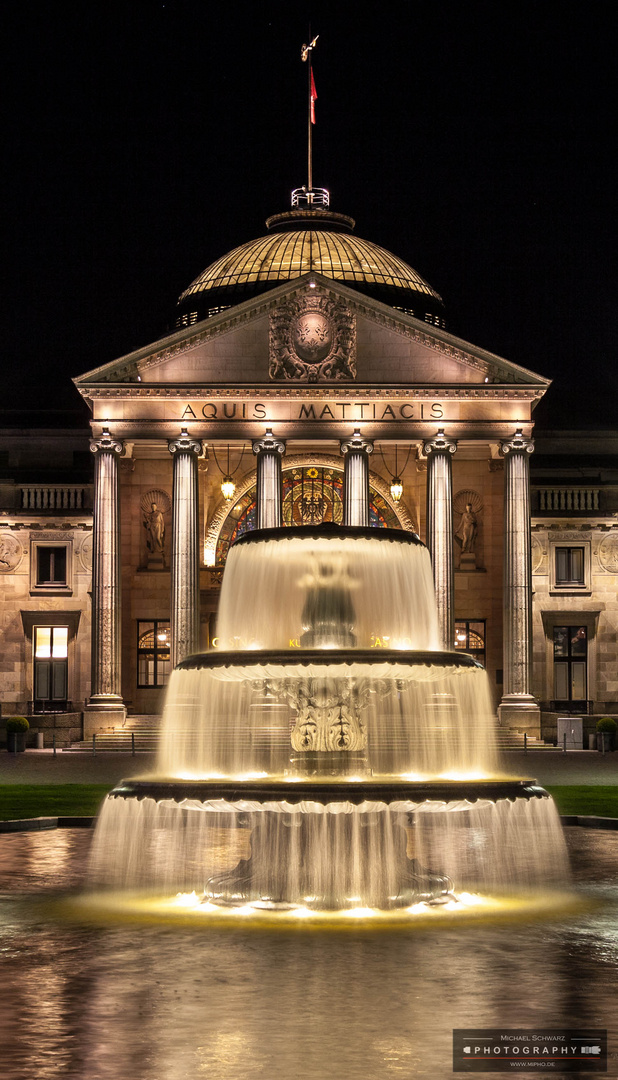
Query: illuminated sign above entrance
(314, 410)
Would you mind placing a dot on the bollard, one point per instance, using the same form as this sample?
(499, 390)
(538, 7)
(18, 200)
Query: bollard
(525, 742)
(564, 742)
(133, 743)
(40, 740)
(54, 743)
(94, 745)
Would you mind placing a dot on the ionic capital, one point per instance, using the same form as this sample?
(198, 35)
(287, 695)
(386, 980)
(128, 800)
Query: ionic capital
(519, 443)
(184, 444)
(268, 444)
(106, 443)
(356, 443)
(439, 445)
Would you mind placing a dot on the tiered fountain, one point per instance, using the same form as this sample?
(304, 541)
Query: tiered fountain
(328, 757)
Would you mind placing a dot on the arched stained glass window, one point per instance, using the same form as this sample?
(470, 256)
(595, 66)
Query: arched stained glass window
(311, 494)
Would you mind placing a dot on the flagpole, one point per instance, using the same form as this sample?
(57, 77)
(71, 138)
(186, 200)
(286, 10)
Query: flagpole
(305, 54)
(309, 126)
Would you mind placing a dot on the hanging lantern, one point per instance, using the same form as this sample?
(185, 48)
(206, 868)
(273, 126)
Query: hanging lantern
(228, 488)
(396, 489)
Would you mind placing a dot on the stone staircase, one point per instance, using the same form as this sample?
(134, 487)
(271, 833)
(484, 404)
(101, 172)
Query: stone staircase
(514, 740)
(140, 731)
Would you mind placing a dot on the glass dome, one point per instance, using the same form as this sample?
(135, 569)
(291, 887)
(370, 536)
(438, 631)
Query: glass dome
(301, 241)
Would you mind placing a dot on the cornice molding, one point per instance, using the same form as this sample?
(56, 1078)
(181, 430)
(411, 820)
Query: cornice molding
(317, 392)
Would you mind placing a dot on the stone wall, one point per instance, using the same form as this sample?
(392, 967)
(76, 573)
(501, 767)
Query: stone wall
(66, 727)
(594, 605)
(23, 605)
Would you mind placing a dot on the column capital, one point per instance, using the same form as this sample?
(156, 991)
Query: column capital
(518, 443)
(184, 444)
(268, 442)
(106, 443)
(357, 443)
(440, 444)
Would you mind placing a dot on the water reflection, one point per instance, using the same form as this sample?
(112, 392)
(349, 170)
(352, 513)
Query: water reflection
(165, 1004)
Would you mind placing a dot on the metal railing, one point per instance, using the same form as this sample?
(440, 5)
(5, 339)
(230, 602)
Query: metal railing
(316, 197)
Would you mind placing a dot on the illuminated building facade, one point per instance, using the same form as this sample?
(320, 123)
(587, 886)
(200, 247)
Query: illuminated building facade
(293, 359)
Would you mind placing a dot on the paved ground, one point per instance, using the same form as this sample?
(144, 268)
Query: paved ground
(574, 767)
(41, 767)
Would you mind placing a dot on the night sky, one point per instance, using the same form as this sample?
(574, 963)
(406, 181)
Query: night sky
(144, 140)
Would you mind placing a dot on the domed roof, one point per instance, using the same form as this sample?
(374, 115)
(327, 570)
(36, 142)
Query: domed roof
(303, 240)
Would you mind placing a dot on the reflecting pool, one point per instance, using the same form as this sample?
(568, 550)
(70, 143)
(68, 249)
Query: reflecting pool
(130, 1000)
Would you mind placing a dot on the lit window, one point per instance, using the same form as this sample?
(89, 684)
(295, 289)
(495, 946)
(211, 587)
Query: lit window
(153, 653)
(51, 642)
(470, 638)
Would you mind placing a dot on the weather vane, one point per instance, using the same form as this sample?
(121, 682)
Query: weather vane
(305, 54)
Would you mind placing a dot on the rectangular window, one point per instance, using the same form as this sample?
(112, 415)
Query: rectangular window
(470, 638)
(51, 642)
(570, 567)
(153, 653)
(570, 666)
(51, 565)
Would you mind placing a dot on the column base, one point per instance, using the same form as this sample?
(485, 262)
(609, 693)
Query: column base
(520, 712)
(102, 713)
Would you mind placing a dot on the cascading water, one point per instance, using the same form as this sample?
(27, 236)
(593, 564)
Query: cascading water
(328, 755)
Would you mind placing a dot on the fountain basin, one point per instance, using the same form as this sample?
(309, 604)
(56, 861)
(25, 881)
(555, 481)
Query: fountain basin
(324, 792)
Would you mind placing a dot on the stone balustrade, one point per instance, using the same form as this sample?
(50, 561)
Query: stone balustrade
(567, 499)
(55, 497)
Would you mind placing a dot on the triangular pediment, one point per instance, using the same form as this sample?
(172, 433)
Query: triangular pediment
(235, 349)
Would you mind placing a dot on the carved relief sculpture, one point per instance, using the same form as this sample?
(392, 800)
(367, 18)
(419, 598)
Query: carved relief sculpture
(608, 554)
(10, 553)
(312, 337)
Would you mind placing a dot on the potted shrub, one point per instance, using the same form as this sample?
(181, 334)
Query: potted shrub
(16, 733)
(606, 733)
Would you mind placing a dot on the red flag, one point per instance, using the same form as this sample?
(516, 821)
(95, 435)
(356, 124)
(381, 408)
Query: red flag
(314, 97)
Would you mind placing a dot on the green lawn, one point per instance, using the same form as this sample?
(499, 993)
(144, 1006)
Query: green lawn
(82, 800)
(50, 800)
(600, 801)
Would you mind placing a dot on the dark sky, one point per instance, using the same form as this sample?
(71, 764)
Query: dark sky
(143, 140)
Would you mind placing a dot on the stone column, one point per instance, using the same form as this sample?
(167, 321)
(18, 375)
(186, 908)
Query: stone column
(518, 707)
(185, 561)
(439, 452)
(356, 452)
(269, 452)
(105, 707)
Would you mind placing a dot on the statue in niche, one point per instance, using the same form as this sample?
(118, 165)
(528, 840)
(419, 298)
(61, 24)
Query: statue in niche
(468, 530)
(154, 525)
(468, 505)
(155, 505)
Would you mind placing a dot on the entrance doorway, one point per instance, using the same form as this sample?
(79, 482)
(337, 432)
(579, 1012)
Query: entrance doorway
(570, 668)
(51, 673)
